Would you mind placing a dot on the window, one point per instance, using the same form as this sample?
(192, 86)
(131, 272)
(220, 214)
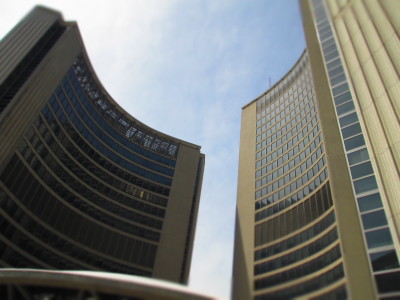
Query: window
(354, 142)
(374, 219)
(361, 170)
(342, 98)
(348, 119)
(384, 260)
(369, 202)
(345, 108)
(365, 184)
(388, 282)
(357, 156)
(340, 89)
(351, 130)
(378, 238)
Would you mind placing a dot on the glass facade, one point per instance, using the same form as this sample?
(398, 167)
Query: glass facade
(79, 179)
(84, 185)
(295, 230)
(319, 155)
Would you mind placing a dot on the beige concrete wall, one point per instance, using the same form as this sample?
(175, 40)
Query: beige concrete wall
(169, 258)
(242, 285)
(22, 39)
(28, 102)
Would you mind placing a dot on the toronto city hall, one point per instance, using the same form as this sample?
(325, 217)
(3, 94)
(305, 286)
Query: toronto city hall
(85, 186)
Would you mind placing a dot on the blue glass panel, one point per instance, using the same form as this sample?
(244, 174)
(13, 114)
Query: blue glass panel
(379, 238)
(384, 260)
(358, 156)
(361, 170)
(345, 108)
(369, 202)
(365, 184)
(354, 142)
(374, 219)
(348, 119)
(351, 130)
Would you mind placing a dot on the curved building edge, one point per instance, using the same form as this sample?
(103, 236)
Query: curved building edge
(37, 283)
(356, 116)
(279, 81)
(288, 206)
(83, 184)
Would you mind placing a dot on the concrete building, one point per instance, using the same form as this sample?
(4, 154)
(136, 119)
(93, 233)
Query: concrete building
(319, 187)
(83, 184)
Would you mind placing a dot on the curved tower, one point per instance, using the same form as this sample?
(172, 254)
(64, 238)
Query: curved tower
(294, 235)
(83, 184)
(318, 187)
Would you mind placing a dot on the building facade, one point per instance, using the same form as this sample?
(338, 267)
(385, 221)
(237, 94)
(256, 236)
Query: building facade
(83, 184)
(318, 187)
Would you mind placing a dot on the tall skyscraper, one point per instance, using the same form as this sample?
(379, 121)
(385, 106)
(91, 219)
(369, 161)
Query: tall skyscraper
(319, 187)
(83, 184)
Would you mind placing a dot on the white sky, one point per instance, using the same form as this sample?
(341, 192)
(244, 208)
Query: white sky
(186, 68)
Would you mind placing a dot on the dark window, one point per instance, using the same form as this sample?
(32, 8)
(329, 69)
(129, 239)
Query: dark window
(351, 130)
(345, 108)
(354, 142)
(374, 219)
(361, 170)
(348, 119)
(358, 156)
(388, 282)
(378, 238)
(384, 260)
(340, 89)
(365, 184)
(369, 202)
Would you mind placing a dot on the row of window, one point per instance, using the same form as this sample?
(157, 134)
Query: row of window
(290, 160)
(91, 174)
(122, 123)
(69, 99)
(294, 106)
(298, 127)
(70, 183)
(297, 239)
(298, 146)
(293, 219)
(267, 100)
(69, 137)
(297, 255)
(309, 286)
(294, 155)
(61, 217)
(302, 187)
(303, 270)
(298, 90)
(86, 180)
(289, 104)
(292, 199)
(34, 235)
(305, 172)
(66, 116)
(278, 127)
(106, 127)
